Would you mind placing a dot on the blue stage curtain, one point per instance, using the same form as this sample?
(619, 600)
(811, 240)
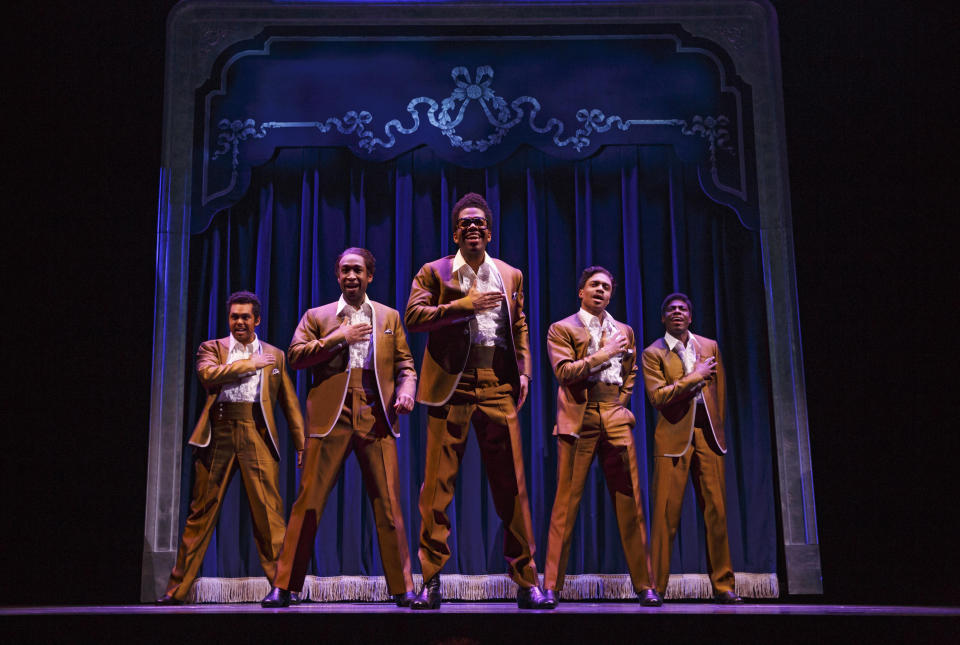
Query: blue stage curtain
(637, 210)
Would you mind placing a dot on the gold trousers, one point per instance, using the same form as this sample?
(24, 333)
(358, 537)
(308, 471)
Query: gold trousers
(483, 398)
(363, 430)
(606, 433)
(235, 444)
(670, 475)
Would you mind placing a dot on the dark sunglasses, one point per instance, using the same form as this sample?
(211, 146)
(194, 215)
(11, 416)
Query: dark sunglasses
(467, 222)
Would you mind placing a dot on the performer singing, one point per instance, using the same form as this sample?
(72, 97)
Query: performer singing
(476, 368)
(362, 377)
(594, 359)
(685, 382)
(244, 377)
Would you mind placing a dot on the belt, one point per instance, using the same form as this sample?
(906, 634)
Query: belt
(227, 410)
(482, 357)
(603, 392)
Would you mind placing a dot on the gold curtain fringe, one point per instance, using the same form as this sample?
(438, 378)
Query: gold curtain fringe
(486, 587)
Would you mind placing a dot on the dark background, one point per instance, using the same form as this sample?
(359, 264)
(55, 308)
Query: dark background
(870, 129)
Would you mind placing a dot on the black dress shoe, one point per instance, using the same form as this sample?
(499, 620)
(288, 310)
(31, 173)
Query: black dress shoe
(295, 598)
(430, 596)
(276, 598)
(649, 598)
(728, 598)
(404, 599)
(550, 600)
(532, 598)
(168, 600)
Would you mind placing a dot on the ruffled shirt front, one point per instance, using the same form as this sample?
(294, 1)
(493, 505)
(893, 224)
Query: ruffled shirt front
(609, 372)
(247, 389)
(489, 327)
(359, 352)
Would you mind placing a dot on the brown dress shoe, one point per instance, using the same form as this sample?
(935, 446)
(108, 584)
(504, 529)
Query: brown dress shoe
(430, 596)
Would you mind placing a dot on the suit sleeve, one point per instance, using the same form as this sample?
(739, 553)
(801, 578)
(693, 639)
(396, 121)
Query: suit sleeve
(659, 391)
(291, 405)
(521, 335)
(567, 367)
(212, 372)
(308, 349)
(405, 374)
(425, 312)
(626, 390)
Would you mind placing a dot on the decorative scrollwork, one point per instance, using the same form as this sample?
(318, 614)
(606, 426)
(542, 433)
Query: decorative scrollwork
(449, 113)
(714, 130)
(233, 132)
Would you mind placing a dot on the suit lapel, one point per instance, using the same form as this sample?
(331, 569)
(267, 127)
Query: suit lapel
(626, 360)
(507, 284)
(376, 322)
(450, 280)
(581, 335)
(223, 346)
(266, 374)
(671, 359)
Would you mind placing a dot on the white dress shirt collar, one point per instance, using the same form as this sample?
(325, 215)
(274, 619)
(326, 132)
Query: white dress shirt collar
(586, 317)
(672, 342)
(343, 303)
(459, 261)
(253, 347)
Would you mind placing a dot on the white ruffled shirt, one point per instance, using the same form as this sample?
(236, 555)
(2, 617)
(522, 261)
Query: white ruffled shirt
(609, 372)
(359, 352)
(247, 389)
(489, 327)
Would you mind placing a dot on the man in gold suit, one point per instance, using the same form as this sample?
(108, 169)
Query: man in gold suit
(594, 359)
(685, 381)
(476, 368)
(362, 377)
(244, 378)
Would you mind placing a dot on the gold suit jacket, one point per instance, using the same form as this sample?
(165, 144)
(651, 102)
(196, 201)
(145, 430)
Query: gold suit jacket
(433, 307)
(275, 384)
(319, 344)
(672, 392)
(568, 341)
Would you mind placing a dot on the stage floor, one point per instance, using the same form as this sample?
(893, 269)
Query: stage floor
(482, 623)
(496, 609)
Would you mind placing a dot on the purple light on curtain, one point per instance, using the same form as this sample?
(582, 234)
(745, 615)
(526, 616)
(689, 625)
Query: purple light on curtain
(637, 210)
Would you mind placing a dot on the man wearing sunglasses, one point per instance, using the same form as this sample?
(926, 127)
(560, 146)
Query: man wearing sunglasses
(476, 368)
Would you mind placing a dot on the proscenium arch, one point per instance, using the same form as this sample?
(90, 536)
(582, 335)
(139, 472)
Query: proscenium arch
(200, 32)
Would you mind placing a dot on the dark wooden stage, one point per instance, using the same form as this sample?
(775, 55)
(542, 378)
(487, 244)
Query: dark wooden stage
(476, 623)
